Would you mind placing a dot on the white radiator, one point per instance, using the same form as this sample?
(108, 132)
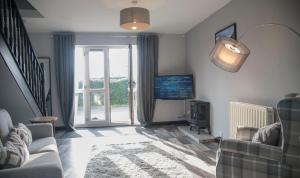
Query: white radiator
(249, 115)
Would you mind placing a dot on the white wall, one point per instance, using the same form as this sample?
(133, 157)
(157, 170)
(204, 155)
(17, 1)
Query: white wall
(271, 70)
(171, 61)
(105, 38)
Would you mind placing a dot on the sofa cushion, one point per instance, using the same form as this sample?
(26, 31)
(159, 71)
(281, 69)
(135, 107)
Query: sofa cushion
(5, 125)
(47, 144)
(45, 165)
(268, 135)
(14, 153)
(24, 133)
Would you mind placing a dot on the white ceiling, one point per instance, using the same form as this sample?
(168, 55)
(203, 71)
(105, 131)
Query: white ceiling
(167, 16)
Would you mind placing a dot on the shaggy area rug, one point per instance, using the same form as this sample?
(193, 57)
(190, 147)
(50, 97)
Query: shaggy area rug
(147, 159)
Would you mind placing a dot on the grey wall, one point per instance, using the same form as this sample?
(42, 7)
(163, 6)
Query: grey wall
(270, 72)
(171, 61)
(43, 46)
(12, 98)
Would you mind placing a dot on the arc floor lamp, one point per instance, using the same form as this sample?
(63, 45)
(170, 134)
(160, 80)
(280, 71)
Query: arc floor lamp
(230, 54)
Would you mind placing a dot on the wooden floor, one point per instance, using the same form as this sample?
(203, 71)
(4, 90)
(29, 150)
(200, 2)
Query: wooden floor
(74, 147)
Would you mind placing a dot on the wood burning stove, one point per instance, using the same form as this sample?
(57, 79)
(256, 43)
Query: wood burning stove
(199, 115)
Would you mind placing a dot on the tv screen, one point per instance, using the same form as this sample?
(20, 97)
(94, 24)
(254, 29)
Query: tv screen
(174, 87)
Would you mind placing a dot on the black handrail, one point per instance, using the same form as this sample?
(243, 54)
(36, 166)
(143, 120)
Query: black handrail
(16, 37)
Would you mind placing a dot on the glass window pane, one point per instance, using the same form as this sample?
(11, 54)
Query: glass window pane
(97, 106)
(118, 64)
(134, 78)
(79, 68)
(79, 111)
(96, 67)
(79, 83)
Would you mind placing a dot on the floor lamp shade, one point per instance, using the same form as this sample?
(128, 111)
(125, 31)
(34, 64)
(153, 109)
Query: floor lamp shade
(229, 54)
(135, 18)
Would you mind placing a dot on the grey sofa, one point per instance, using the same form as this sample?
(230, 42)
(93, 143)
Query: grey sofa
(245, 159)
(44, 161)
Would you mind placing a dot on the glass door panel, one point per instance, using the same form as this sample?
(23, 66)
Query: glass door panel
(118, 81)
(134, 71)
(97, 106)
(96, 88)
(96, 69)
(79, 117)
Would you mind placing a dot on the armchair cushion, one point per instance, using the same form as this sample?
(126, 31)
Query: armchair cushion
(269, 134)
(40, 130)
(252, 149)
(245, 133)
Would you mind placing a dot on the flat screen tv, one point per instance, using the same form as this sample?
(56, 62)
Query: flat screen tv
(173, 87)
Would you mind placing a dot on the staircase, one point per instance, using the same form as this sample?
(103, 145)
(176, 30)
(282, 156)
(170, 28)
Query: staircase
(18, 55)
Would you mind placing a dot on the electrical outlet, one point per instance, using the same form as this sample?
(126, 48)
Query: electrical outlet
(221, 134)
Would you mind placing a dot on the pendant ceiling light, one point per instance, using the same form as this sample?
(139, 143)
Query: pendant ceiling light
(135, 18)
(229, 54)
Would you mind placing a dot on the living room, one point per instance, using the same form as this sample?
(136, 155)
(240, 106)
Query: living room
(149, 88)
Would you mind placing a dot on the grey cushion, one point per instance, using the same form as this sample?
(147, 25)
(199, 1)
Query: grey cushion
(5, 125)
(14, 153)
(45, 165)
(268, 135)
(40, 130)
(24, 133)
(43, 145)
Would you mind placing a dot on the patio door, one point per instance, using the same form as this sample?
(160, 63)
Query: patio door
(105, 92)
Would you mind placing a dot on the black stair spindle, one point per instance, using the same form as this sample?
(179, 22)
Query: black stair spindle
(23, 51)
(14, 31)
(19, 43)
(33, 79)
(5, 18)
(1, 16)
(10, 23)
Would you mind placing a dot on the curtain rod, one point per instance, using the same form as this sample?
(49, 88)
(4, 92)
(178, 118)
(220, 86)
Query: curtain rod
(102, 35)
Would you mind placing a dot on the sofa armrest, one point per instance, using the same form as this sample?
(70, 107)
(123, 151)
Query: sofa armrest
(41, 165)
(252, 149)
(44, 171)
(40, 130)
(245, 133)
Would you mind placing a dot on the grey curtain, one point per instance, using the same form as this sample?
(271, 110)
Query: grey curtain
(147, 46)
(64, 51)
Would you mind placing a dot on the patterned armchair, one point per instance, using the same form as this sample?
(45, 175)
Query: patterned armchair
(245, 159)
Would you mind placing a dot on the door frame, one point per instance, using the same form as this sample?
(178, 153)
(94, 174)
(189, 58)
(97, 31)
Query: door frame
(86, 91)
